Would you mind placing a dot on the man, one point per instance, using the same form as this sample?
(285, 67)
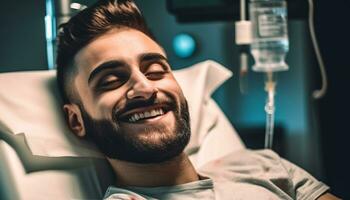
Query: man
(119, 92)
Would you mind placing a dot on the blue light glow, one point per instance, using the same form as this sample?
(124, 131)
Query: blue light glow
(184, 45)
(50, 33)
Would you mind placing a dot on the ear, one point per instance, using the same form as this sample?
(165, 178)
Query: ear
(74, 119)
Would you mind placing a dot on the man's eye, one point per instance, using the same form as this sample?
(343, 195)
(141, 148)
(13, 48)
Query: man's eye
(109, 81)
(155, 75)
(155, 71)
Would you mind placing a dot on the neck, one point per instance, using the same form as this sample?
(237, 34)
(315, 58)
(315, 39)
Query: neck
(178, 170)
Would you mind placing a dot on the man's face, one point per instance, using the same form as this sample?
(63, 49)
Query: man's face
(130, 103)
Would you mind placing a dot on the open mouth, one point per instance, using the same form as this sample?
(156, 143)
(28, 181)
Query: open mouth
(144, 114)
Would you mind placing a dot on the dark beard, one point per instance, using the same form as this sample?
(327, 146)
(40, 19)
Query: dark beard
(114, 143)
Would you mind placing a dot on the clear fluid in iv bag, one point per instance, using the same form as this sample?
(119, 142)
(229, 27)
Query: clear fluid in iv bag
(270, 37)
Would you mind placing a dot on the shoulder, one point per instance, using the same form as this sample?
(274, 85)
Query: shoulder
(248, 157)
(253, 155)
(246, 163)
(267, 169)
(266, 155)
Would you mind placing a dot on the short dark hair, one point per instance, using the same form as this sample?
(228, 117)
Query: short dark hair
(87, 25)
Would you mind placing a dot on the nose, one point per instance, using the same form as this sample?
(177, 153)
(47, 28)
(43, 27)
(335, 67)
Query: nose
(141, 87)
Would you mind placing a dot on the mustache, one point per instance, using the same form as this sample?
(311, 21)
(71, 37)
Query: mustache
(168, 102)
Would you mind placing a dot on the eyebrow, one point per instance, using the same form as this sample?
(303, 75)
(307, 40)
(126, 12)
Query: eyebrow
(106, 65)
(152, 56)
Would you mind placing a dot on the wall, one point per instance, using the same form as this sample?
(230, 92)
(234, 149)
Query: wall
(22, 35)
(332, 25)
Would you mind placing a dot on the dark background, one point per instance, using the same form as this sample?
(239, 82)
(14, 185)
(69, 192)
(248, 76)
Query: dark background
(332, 26)
(311, 133)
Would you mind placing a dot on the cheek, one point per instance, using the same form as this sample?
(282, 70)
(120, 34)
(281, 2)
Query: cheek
(171, 86)
(105, 103)
(85, 97)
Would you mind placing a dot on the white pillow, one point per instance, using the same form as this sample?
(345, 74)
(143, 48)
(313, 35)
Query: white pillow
(30, 104)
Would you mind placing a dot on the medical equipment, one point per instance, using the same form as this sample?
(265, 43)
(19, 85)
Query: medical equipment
(269, 47)
(267, 35)
(266, 32)
(57, 13)
(243, 39)
(317, 94)
(269, 30)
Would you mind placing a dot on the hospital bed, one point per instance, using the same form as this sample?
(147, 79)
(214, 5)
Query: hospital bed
(41, 159)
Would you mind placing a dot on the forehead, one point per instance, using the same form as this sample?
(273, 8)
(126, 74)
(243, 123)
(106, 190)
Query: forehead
(118, 44)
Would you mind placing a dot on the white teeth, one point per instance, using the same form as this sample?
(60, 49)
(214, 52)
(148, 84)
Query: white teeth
(138, 116)
(154, 112)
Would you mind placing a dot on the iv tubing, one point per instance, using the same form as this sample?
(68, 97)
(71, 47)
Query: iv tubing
(269, 109)
(317, 94)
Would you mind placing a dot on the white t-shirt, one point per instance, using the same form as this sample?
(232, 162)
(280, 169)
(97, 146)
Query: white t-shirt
(245, 174)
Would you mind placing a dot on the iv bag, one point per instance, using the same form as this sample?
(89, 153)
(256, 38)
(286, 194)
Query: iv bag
(269, 34)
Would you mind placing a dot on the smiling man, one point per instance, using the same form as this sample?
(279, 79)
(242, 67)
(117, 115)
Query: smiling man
(131, 98)
(119, 92)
